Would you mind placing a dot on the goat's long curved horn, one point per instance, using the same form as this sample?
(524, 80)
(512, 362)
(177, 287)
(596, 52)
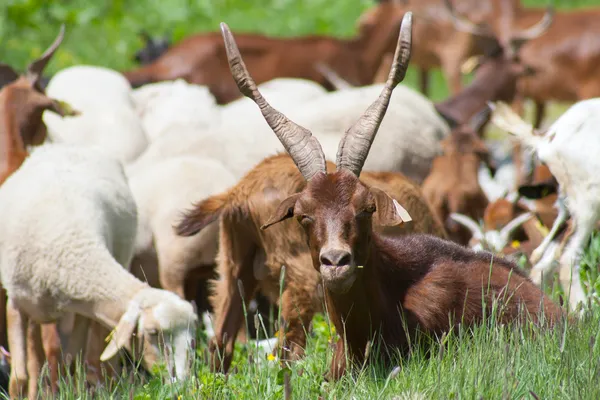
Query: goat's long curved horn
(464, 25)
(35, 69)
(468, 223)
(299, 142)
(513, 225)
(538, 29)
(356, 143)
(480, 119)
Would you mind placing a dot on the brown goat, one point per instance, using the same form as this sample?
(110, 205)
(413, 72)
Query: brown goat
(201, 59)
(452, 186)
(375, 286)
(565, 58)
(437, 43)
(255, 257)
(22, 104)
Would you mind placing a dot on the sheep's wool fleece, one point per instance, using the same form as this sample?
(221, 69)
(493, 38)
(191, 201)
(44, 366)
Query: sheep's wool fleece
(68, 219)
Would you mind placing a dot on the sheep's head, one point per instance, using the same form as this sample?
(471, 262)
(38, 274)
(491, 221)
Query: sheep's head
(334, 209)
(159, 326)
(25, 100)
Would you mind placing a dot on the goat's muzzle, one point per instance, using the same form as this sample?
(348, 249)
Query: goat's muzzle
(337, 270)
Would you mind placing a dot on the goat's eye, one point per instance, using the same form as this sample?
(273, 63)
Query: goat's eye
(152, 332)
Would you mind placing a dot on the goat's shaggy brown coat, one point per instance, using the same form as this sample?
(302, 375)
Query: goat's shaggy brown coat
(255, 257)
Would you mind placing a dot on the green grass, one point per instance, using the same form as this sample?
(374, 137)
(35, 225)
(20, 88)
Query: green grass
(492, 362)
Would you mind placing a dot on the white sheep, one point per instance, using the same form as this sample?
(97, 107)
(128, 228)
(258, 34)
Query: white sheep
(161, 192)
(570, 149)
(411, 132)
(108, 118)
(171, 106)
(69, 226)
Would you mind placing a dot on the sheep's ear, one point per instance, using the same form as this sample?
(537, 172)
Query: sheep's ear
(284, 211)
(122, 334)
(389, 211)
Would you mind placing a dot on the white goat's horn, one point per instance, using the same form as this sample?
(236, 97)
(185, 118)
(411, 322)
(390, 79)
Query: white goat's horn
(469, 223)
(514, 224)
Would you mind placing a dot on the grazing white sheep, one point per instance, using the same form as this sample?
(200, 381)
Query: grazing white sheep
(108, 118)
(161, 192)
(411, 132)
(570, 149)
(68, 228)
(172, 106)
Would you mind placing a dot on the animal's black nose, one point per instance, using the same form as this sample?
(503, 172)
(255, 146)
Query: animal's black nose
(335, 258)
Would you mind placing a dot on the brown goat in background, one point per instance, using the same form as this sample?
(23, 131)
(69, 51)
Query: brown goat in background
(201, 59)
(376, 287)
(255, 257)
(452, 186)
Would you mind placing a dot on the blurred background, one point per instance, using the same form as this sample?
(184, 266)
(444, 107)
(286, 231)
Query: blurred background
(106, 33)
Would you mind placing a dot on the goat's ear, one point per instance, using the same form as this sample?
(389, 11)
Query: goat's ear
(201, 215)
(121, 336)
(284, 211)
(389, 211)
(7, 75)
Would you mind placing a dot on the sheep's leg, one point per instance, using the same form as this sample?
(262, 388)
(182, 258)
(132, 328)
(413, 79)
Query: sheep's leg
(338, 362)
(540, 113)
(569, 261)
(50, 342)
(35, 357)
(77, 343)
(424, 80)
(561, 218)
(16, 322)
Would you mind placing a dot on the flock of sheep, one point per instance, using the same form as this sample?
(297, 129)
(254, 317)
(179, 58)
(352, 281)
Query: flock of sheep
(117, 204)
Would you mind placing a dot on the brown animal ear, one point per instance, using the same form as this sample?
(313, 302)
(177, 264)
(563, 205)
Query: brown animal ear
(201, 215)
(389, 211)
(284, 211)
(7, 75)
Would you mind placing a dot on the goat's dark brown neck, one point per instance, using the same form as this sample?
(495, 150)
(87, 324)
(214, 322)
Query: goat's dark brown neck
(360, 314)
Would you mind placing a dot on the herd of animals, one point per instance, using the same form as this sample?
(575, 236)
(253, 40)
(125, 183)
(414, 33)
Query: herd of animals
(118, 205)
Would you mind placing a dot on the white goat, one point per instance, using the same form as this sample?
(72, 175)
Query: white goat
(69, 223)
(108, 118)
(570, 149)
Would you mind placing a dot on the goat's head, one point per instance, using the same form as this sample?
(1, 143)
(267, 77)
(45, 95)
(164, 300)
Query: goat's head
(153, 48)
(502, 52)
(25, 95)
(493, 240)
(335, 209)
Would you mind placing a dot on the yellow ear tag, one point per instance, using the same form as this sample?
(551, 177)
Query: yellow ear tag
(515, 244)
(110, 335)
(541, 228)
(360, 266)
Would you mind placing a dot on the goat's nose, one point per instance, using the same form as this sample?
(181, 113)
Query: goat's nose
(335, 258)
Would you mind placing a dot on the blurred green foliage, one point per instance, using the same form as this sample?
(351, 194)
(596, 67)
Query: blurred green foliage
(105, 32)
